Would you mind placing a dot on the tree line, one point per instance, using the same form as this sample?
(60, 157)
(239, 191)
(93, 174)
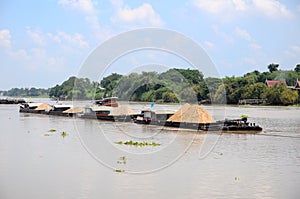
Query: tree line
(26, 92)
(177, 85)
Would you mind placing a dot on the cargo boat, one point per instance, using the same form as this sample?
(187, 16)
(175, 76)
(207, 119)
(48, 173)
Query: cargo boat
(11, 101)
(146, 117)
(57, 109)
(150, 117)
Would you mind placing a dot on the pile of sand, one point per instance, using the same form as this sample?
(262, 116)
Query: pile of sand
(43, 107)
(191, 114)
(121, 110)
(74, 110)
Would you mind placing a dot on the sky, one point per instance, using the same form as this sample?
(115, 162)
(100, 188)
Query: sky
(42, 43)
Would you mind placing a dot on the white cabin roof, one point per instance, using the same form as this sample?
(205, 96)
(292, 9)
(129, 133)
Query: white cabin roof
(34, 104)
(63, 106)
(101, 108)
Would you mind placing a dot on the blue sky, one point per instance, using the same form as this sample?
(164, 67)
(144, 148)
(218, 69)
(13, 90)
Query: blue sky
(42, 43)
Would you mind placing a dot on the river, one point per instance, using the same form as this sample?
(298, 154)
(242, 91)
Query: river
(88, 163)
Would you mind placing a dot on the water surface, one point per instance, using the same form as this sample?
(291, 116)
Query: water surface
(83, 164)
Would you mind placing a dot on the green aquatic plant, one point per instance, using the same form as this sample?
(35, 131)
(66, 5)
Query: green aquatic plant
(119, 170)
(122, 160)
(244, 117)
(64, 134)
(52, 130)
(132, 143)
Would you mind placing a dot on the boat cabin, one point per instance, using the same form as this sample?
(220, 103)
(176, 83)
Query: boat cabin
(148, 116)
(30, 105)
(109, 101)
(61, 107)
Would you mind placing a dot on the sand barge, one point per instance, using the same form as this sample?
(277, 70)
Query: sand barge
(191, 114)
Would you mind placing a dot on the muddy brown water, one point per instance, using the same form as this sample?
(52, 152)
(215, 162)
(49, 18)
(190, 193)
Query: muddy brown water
(87, 163)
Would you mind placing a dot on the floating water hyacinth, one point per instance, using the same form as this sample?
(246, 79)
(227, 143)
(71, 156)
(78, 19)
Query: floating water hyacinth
(64, 134)
(132, 143)
(122, 160)
(119, 170)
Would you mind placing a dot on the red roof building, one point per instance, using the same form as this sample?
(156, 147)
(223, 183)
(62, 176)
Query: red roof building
(271, 83)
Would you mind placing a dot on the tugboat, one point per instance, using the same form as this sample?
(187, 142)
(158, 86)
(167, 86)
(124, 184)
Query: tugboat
(240, 125)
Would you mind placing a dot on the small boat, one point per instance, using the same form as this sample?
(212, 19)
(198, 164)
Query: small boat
(109, 101)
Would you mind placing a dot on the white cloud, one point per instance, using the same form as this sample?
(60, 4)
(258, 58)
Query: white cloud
(144, 14)
(254, 46)
(117, 3)
(219, 6)
(60, 37)
(36, 36)
(40, 59)
(227, 38)
(293, 52)
(75, 39)
(230, 9)
(241, 33)
(19, 54)
(272, 8)
(94, 23)
(85, 6)
(227, 9)
(5, 38)
(89, 10)
(295, 48)
(209, 44)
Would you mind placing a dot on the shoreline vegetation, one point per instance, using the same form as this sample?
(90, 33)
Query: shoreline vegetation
(177, 85)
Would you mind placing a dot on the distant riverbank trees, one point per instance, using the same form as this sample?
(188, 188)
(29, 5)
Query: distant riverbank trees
(177, 85)
(253, 86)
(26, 92)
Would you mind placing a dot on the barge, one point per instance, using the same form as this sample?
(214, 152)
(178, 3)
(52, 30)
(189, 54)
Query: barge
(188, 117)
(12, 101)
(44, 108)
(151, 118)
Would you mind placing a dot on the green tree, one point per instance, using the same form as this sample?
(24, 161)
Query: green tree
(297, 68)
(254, 91)
(188, 95)
(288, 97)
(219, 97)
(110, 82)
(273, 67)
(170, 97)
(272, 94)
